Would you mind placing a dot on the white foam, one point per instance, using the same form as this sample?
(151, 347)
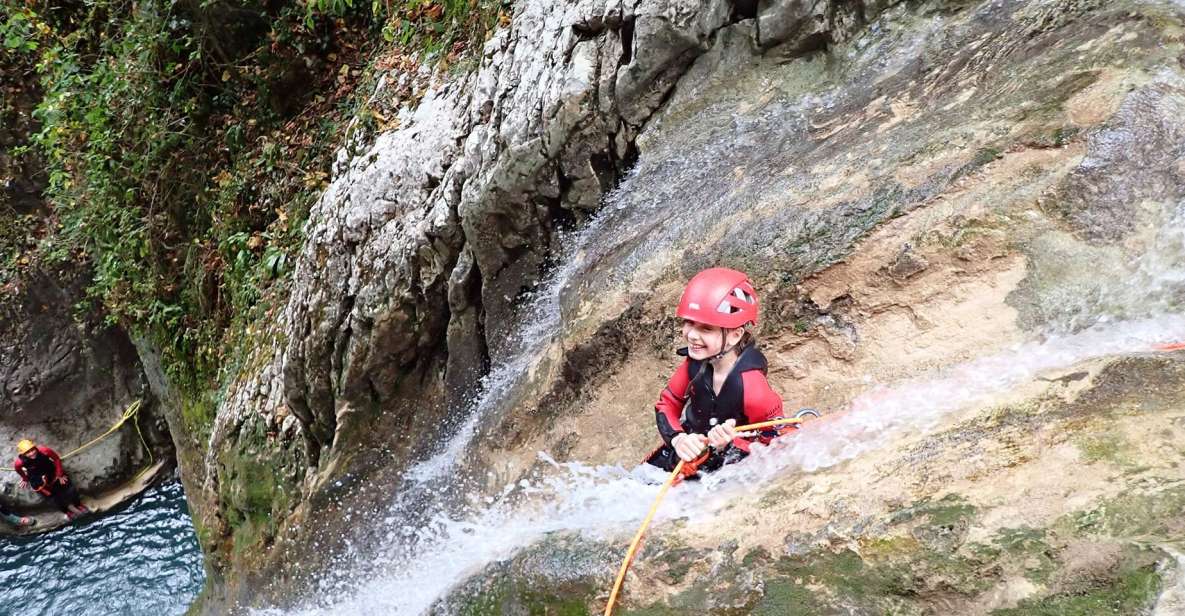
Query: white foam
(607, 502)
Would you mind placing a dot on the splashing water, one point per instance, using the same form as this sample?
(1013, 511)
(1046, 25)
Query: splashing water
(606, 502)
(435, 541)
(1172, 600)
(541, 313)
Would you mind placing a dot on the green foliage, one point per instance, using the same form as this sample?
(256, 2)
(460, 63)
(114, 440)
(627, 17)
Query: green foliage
(137, 120)
(185, 141)
(18, 30)
(435, 25)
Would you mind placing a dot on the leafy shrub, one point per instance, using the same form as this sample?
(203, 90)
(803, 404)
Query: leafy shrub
(185, 140)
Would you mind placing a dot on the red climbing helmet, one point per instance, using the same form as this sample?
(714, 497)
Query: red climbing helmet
(719, 296)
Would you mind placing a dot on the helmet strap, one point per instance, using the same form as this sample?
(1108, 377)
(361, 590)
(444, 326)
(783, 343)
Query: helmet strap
(723, 339)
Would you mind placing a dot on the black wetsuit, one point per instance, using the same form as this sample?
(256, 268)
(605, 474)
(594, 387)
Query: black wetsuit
(690, 404)
(43, 472)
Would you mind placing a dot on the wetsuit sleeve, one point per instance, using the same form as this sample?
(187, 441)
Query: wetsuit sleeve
(762, 403)
(669, 407)
(34, 481)
(57, 461)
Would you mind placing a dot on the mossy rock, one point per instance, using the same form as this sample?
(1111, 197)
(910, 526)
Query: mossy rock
(1130, 588)
(1148, 515)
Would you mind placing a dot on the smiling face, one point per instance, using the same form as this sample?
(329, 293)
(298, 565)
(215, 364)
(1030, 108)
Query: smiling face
(706, 341)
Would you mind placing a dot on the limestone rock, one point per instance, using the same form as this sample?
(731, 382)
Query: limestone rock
(722, 144)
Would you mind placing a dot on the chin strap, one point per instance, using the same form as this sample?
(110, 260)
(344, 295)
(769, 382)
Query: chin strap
(724, 352)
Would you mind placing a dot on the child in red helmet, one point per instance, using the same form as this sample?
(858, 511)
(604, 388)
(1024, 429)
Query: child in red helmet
(722, 382)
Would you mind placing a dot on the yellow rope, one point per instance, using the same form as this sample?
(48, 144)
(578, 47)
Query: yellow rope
(629, 554)
(132, 411)
(144, 444)
(128, 413)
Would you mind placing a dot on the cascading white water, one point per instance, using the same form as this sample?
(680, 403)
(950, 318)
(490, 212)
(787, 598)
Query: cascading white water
(606, 502)
(422, 560)
(714, 177)
(1172, 601)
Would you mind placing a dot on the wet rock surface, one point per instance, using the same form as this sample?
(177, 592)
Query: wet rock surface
(775, 137)
(68, 382)
(65, 376)
(959, 545)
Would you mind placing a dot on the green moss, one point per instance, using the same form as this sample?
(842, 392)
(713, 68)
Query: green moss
(1104, 447)
(1155, 514)
(204, 534)
(758, 556)
(984, 156)
(248, 534)
(1131, 590)
(848, 575)
(653, 610)
(255, 490)
(508, 597)
(948, 512)
(786, 596)
(678, 562)
(822, 583)
(1029, 547)
(198, 412)
(890, 547)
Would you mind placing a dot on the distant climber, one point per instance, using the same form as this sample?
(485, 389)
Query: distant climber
(41, 468)
(13, 519)
(722, 382)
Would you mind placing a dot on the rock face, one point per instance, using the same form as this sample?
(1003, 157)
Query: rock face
(771, 136)
(64, 385)
(65, 378)
(976, 518)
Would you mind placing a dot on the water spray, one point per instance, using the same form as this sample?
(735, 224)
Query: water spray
(684, 469)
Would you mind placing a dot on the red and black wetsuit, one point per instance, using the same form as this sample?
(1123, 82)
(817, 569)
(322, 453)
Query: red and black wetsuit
(689, 404)
(42, 474)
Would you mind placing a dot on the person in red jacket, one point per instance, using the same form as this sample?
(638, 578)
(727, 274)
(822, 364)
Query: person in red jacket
(722, 382)
(41, 468)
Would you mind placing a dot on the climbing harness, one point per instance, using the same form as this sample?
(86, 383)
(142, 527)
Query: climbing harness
(685, 469)
(132, 412)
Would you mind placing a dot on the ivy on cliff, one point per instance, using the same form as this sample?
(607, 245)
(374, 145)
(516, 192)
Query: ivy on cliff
(185, 140)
